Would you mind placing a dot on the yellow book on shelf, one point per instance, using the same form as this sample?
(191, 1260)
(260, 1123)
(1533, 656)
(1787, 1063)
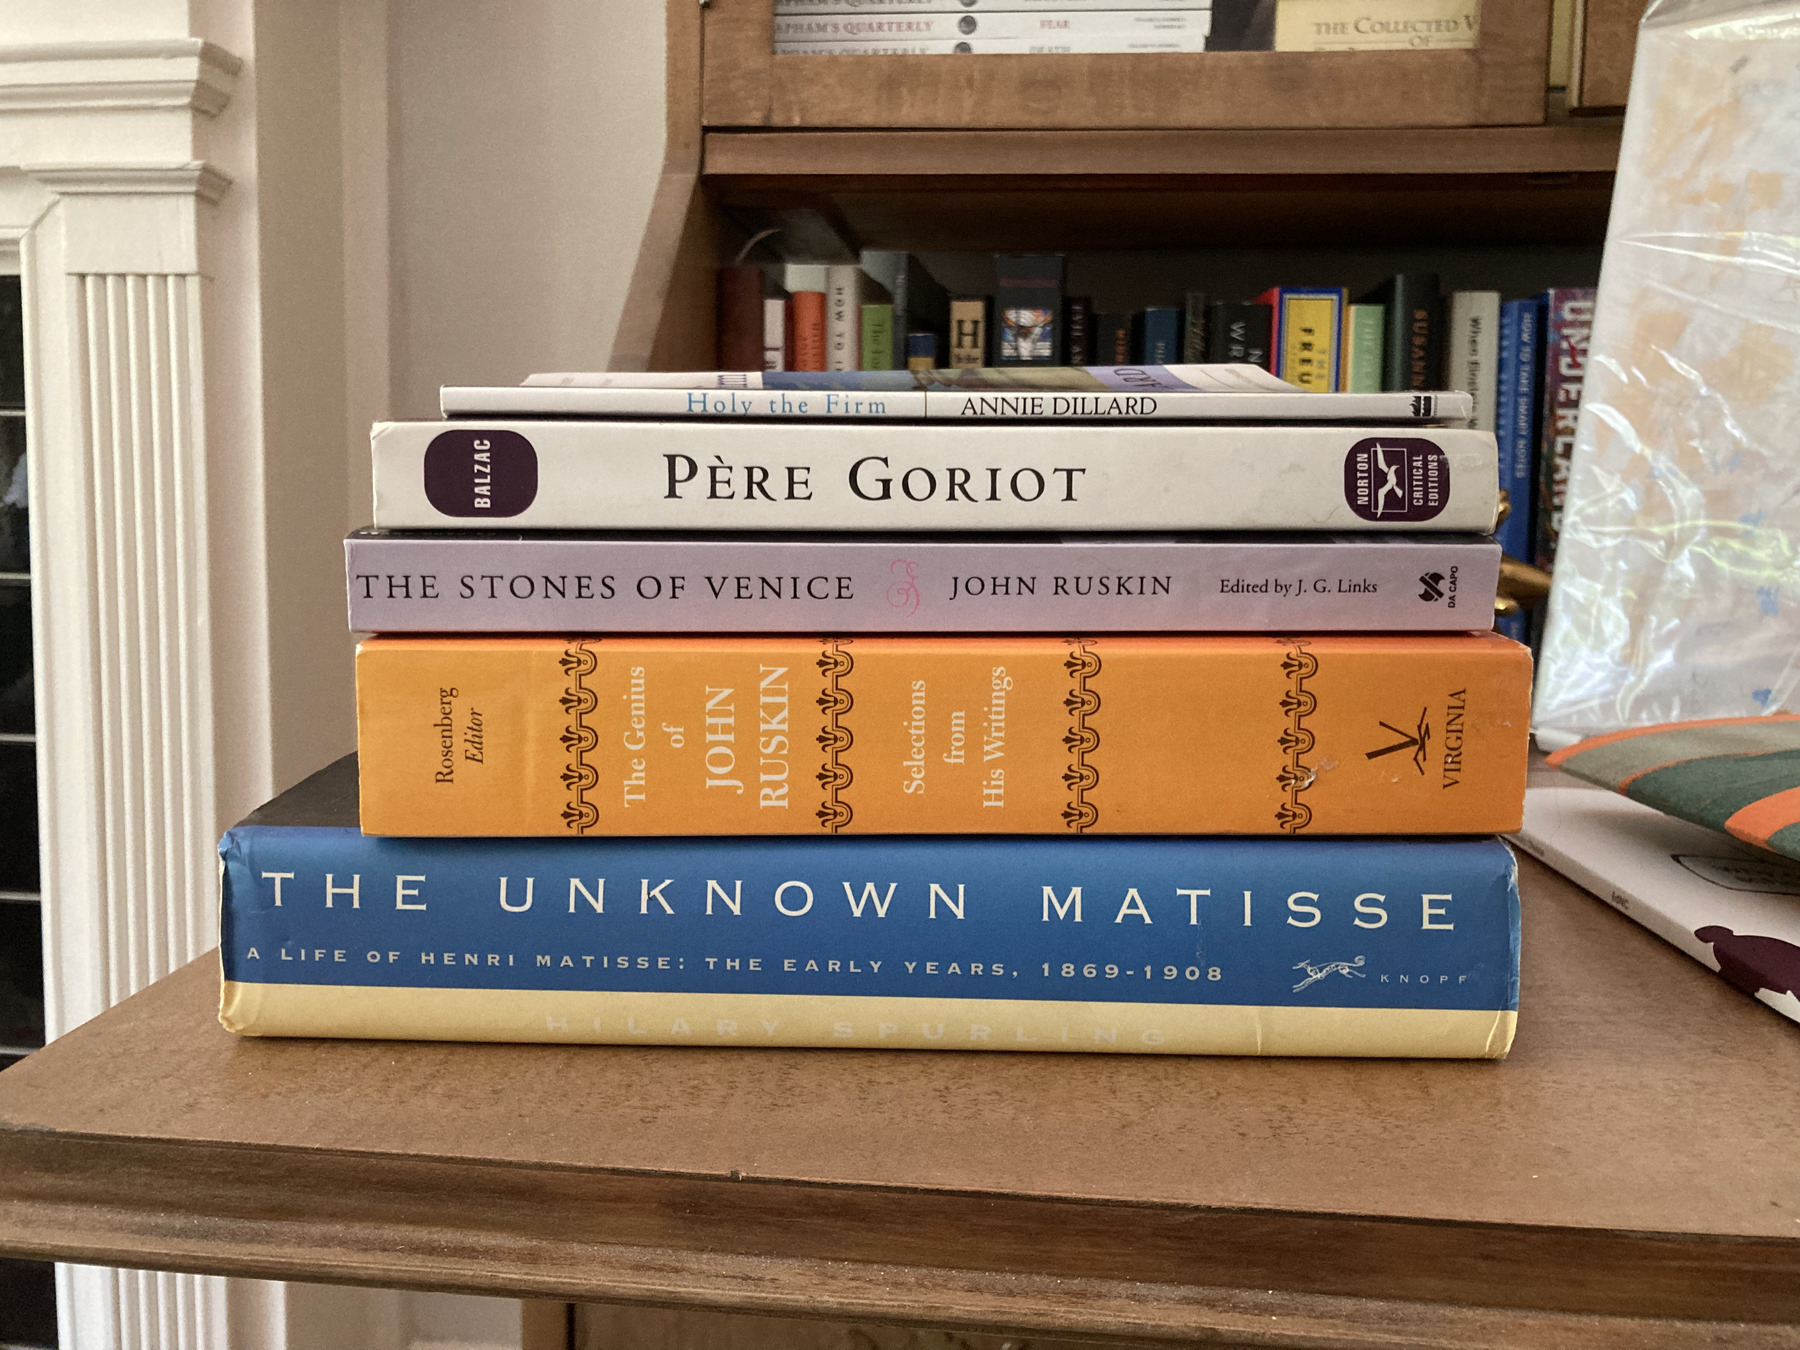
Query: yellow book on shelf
(1376, 25)
(1307, 335)
(1014, 735)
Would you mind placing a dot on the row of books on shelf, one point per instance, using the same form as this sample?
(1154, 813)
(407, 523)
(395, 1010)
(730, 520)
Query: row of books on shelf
(949, 31)
(1075, 769)
(1522, 361)
(1001, 27)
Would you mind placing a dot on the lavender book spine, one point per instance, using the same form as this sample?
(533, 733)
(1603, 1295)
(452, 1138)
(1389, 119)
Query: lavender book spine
(471, 583)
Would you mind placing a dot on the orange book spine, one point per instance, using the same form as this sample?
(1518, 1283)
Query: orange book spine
(1029, 735)
(806, 326)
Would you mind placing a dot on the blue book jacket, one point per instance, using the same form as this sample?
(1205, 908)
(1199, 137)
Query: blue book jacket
(1233, 946)
(1162, 335)
(1521, 353)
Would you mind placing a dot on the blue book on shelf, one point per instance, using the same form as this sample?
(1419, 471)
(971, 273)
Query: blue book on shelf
(1521, 353)
(1152, 945)
(1516, 403)
(1163, 336)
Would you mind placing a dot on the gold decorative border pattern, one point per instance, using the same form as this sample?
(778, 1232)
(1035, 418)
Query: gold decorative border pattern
(579, 739)
(835, 701)
(1081, 739)
(1296, 739)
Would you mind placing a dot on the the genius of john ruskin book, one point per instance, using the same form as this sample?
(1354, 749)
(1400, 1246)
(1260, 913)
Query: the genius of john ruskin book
(1017, 735)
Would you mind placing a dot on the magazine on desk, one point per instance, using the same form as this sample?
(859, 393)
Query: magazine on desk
(1733, 908)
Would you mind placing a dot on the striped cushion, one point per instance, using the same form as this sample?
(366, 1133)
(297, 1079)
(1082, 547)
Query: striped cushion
(1737, 774)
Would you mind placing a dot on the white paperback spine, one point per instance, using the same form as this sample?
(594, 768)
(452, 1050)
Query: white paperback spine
(1474, 349)
(774, 334)
(955, 405)
(751, 396)
(683, 475)
(843, 316)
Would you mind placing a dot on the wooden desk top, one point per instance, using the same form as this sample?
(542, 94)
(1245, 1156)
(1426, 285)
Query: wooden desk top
(1637, 1157)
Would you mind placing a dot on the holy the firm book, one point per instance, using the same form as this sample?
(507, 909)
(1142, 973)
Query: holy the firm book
(1363, 734)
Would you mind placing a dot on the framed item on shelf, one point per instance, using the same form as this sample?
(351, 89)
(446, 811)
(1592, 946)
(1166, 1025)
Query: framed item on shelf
(1076, 166)
(1326, 69)
(1605, 40)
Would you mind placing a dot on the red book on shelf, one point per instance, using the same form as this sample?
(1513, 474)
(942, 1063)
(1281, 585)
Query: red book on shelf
(806, 328)
(740, 318)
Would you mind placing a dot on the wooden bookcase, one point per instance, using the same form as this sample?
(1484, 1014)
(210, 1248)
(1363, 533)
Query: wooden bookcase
(1605, 42)
(1106, 155)
(1499, 81)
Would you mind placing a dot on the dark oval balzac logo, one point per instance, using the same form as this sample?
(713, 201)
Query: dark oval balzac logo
(491, 474)
(1396, 478)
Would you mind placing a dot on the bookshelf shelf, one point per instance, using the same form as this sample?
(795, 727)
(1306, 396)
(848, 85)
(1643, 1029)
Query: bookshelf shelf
(947, 156)
(1075, 191)
(1101, 182)
(1631, 1164)
(1499, 82)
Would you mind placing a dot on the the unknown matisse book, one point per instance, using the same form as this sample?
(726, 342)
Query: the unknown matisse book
(1152, 946)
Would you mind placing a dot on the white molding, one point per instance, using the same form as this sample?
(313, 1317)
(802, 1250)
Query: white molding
(117, 76)
(130, 219)
(195, 178)
(169, 369)
(115, 416)
(121, 572)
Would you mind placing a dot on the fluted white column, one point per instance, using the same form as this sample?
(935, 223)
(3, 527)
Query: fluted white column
(109, 215)
(187, 388)
(138, 338)
(121, 613)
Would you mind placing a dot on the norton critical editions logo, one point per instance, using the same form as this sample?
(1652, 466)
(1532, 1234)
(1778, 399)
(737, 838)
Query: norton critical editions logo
(1397, 478)
(487, 474)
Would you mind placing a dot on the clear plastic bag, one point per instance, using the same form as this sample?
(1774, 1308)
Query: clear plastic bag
(1677, 590)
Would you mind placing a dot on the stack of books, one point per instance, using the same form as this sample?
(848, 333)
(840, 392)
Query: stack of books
(1156, 711)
